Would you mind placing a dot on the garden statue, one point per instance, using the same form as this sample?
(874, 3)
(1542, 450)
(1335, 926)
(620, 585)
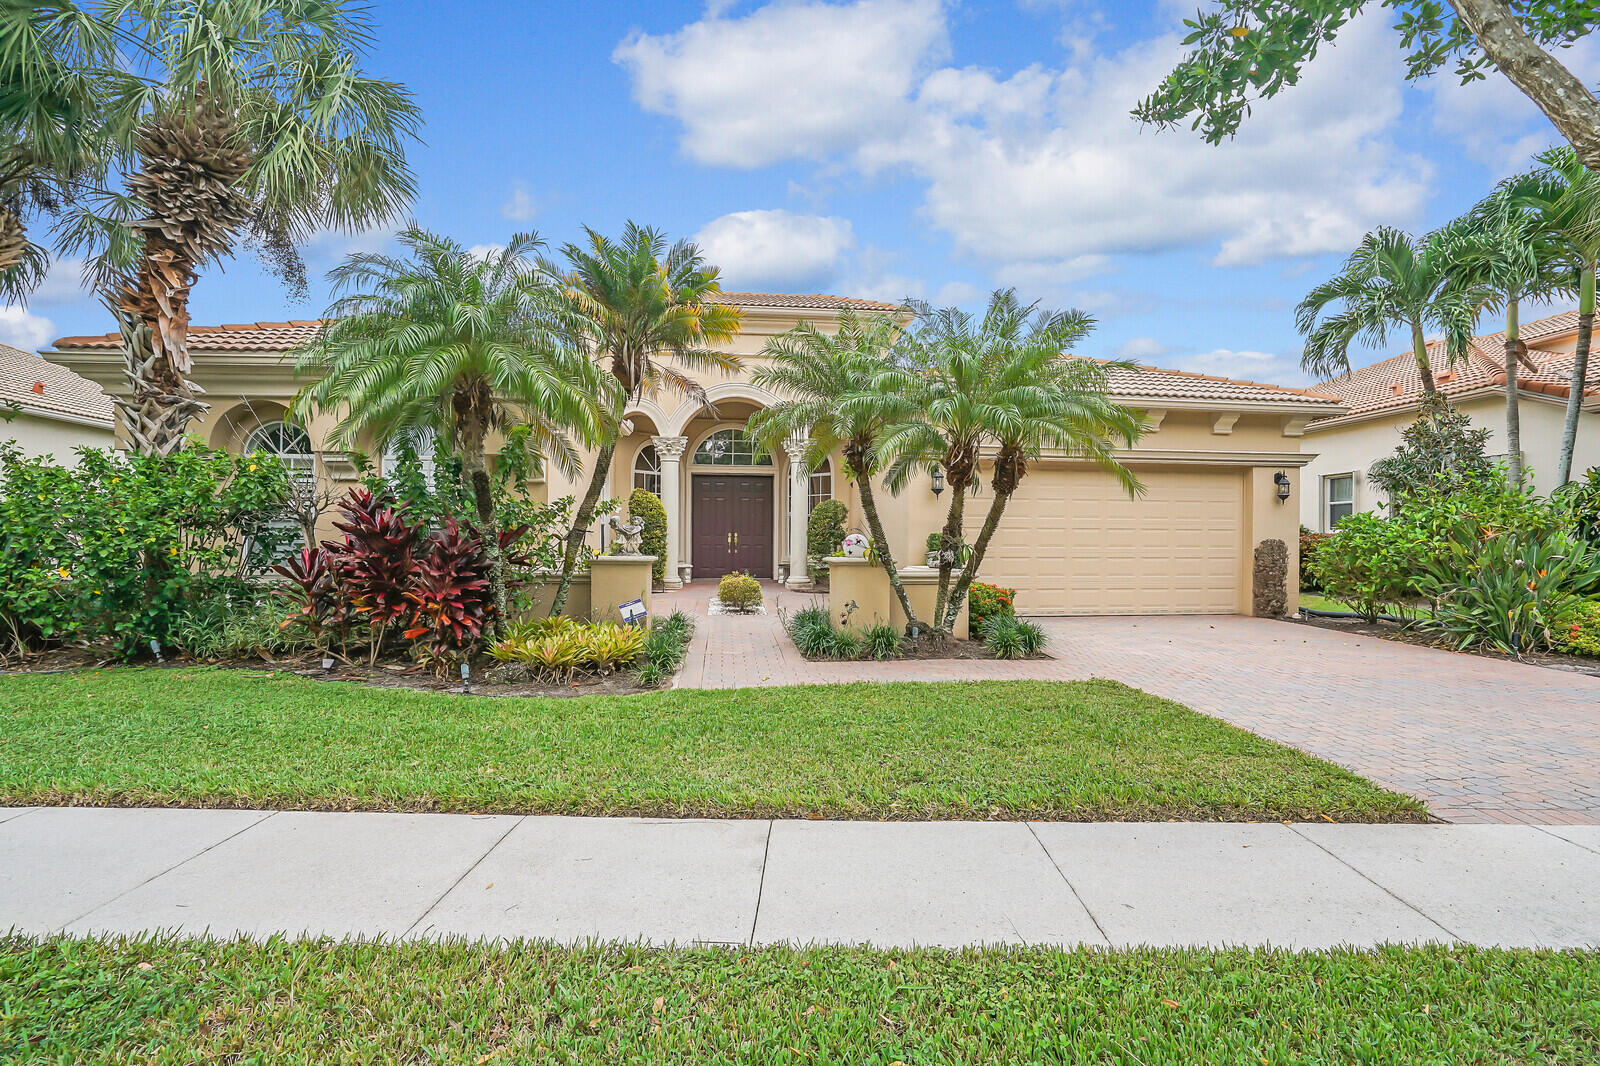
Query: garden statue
(855, 546)
(626, 535)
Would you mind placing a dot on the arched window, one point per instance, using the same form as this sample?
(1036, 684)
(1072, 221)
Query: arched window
(422, 442)
(647, 470)
(730, 447)
(281, 538)
(289, 443)
(821, 485)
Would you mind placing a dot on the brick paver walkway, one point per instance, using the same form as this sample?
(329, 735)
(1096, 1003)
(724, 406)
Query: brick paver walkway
(1477, 739)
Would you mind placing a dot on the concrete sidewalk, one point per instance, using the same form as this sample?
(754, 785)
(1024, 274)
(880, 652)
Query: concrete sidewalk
(86, 870)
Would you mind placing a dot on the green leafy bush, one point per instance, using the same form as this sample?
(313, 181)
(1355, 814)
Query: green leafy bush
(739, 592)
(824, 534)
(1508, 590)
(985, 601)
(1008, 637)
(816, 637)
(229, 627)
(1309, 543)
(1576, 627)
(1440, 452)
(1371, 563)
(882, 641)
(811, 630)
(1579, 505)
(665, 649)
(122, 546)
(559, 652)
(645, 506)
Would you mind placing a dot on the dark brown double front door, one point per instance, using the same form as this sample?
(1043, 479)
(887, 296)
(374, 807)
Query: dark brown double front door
(732, 525)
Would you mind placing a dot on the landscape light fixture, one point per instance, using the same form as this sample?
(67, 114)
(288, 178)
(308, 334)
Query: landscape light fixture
(1281, 480)
(938, 481)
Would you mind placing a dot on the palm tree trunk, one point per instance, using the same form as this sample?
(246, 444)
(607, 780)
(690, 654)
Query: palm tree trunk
(476, 467)
(880, 543)
(1419, 350)
(13, 240)
(991, 522)
(949, 545)
(580, 525)
(1515, 350)
(1580, 373)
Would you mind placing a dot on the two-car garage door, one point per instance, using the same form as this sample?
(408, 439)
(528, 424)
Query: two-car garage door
(1072, 542)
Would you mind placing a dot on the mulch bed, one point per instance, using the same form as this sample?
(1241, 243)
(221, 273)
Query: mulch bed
(1572, 664)
(383, 675)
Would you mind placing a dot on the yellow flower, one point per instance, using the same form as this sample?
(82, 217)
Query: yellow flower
(173, 550)
(63, 571)
(252, 468)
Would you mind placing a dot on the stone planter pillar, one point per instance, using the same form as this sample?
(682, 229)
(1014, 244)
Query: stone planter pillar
(615, 580)
(922, 589)
(858, 593)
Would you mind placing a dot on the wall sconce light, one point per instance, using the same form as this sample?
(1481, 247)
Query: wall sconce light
(1281, 480)
(938, 481)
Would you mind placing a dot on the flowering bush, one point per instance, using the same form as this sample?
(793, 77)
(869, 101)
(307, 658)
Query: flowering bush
(1508, 590)
(124, 546)
(985, 601)
(1576, 628)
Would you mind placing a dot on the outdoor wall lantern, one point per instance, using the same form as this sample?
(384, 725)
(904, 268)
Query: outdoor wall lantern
(1281, 480)
(938, 481)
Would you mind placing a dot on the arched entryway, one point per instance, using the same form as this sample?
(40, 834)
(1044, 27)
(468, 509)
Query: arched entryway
(733, 505)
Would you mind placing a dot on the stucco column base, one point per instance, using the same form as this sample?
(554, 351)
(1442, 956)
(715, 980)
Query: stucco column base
(922, 589)
(615, 580)
(859, 595)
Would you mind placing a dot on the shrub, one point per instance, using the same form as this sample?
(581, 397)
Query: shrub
(1579, 505)
(1008, 637)
(1511, 590)
(1576, 627)
(739, 592)
(228, 628)
(645, 506)
(811, 630)
(882, 641)
(1309, 543)
(1371, 563)
(122, 546)
(1439, 452)
(842, 644)
(558, 652)
(449, 597)
(985, 601)
(664, 649)
(824, 534)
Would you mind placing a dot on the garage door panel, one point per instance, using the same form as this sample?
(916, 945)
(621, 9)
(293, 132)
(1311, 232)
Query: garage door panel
(1072, 542)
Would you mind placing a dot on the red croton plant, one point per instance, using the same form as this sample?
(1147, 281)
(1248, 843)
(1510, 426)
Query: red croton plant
(389, 576)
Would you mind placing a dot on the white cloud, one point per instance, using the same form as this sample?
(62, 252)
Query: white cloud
(484, 251)
(776, 248)
(874, 277)
(63, 284)
(521, 207)
(957, 294)
(1042, 173)
(1265, 367)
(22, 329)
(788, 79)
(1141, 349)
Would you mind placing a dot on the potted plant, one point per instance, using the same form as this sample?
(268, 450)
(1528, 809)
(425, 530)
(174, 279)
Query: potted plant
(931, 559)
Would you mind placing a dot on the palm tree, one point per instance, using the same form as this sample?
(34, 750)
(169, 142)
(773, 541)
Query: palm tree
(1565, 197)
(50, 105)
(1391, 281)
(1502, 257)
(842, 392)
(454, 342)
(231, 120)
(1003, 383)
(630, 303)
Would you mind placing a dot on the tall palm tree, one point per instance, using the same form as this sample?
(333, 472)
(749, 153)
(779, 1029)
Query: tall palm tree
(1565, 196)
(632, 304)
(975, 379)
(456, 343)
(842, 392)
(1003, 382)
(52, 58)
(232, 120)
(1392, 281)
(1502, 256)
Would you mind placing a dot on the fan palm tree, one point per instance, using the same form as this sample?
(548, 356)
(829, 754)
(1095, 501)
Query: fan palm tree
(1003, 382)
(1392, 281)
(1502, 256)
(52, 56)
(1565, 197)
(631, 304)
(231, 120)
(453, 342)
(842, 392)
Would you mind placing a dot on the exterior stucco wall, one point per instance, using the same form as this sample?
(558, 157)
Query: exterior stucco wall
(38, 436)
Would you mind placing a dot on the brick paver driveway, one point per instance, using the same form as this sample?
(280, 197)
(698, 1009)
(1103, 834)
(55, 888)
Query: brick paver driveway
(1477, 739)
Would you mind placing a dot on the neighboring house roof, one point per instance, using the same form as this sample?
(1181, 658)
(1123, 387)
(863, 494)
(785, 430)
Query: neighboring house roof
(41, 387)
(281, 336)
(1160, 383)
(1395, 385)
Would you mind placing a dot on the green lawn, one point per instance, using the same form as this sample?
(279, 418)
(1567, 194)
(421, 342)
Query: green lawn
(195, 1001)
(1316, 601)
(1079, 750)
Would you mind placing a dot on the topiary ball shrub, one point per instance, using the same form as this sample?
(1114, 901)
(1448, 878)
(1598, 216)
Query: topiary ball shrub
(739, 592)
(645, 506)
(824, 533)
(985, 601)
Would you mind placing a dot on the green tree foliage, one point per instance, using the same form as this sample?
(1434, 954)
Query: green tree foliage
(1440, 452)
(123, 546)
(824, 535)
(645, 506)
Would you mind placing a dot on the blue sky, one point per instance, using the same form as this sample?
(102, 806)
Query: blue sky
(886, 148)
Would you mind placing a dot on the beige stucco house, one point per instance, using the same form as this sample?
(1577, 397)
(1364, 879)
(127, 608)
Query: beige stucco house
(52, 411)
(1073, 543)
(1381, 400)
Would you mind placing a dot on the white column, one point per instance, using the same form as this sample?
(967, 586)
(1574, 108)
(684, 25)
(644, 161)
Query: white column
(799, 508)
(670, 451)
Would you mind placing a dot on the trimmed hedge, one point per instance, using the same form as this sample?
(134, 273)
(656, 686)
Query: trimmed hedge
(645, 506)
(824, 534)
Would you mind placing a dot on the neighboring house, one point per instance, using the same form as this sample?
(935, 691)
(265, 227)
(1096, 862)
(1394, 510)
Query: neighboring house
(52, 410)
(1383, 399)
(1072, 543)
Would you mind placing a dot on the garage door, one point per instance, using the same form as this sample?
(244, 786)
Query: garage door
(1072, 542)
